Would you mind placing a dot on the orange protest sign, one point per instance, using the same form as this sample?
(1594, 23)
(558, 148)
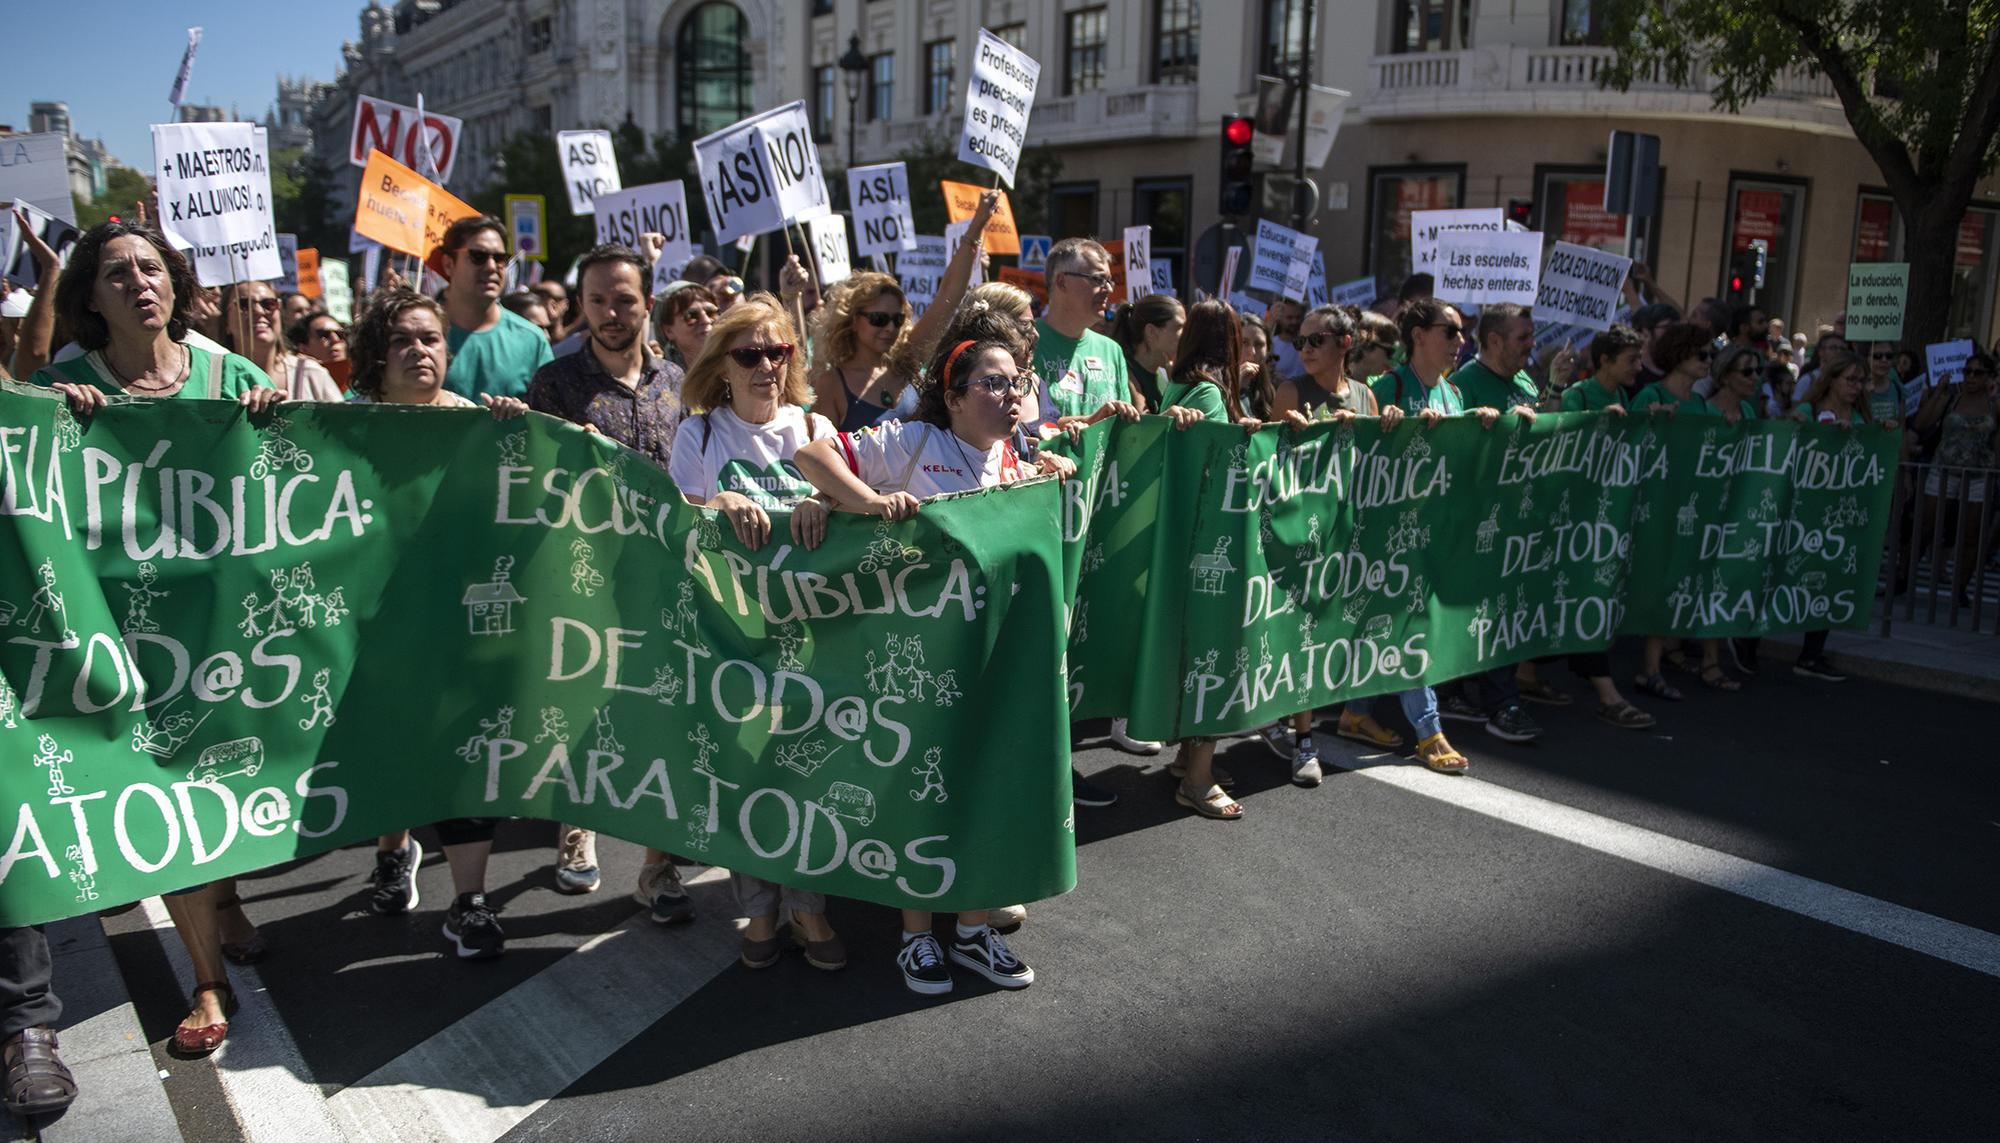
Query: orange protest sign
(443, 209)
(1029, 280)
(392, 205)
(1116, 248)
(1000, 235)
(308, 264)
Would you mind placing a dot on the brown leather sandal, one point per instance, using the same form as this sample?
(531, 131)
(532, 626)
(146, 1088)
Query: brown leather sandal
(38, 1082)
(205, 1039)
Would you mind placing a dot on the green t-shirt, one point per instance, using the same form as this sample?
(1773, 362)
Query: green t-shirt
(221, 377)
(1658, 394)
(1887, 405)
(1201, 396)
(1587, 396)
(1752, 409)
(1078, 375)
(1481, 388)
(1400, 387)
(499, 360)
(1804, 411)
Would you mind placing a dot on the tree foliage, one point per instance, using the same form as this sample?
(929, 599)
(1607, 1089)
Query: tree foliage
(934, 158)
(123, 187)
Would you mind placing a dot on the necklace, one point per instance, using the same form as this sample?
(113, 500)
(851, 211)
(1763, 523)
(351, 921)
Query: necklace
(971, 468)
(132, 384)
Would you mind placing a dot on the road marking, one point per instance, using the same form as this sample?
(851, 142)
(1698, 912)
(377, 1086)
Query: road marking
(1917, 931)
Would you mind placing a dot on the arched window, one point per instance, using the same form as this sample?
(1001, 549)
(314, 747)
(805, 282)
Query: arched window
(713, 70)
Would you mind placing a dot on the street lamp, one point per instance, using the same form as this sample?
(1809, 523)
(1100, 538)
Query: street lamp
(853, 66)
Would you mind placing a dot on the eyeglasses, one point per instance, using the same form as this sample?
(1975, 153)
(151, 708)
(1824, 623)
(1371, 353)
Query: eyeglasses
(268, 305)
(327, 333)
(882, 321)
(1001, 385)
(1450, 330)
(749, 355)
(1097, 281)
(1313, 340)
(485, 257)
(1746, 368)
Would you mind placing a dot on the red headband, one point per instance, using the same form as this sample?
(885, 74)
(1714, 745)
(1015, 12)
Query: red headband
(952, 360)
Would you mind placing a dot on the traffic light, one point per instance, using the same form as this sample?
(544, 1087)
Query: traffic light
(1746, 272)
(1239, 187)
(1520, 211)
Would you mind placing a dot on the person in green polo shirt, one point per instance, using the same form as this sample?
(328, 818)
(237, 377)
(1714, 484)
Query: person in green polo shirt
(1613, 357)
(1498, 378)
(1432, 331)
(493, 349)
(1684, 350)
(1081, 373)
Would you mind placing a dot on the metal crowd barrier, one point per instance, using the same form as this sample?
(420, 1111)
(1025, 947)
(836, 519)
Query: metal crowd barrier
(1943, 514)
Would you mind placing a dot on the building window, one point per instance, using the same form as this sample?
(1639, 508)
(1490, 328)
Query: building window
(1014, 34)
(1393, 195)
(940, 64)
(1073, 211)
(1582, 23)
(822, 7)
(1569, 206)
(881, 86)
(1878, 229)
(822, 103)
(713, 64)
(545, 120)
(540, 36)
(1441, 25)
(1285, 35)
(1083, 51)
(1177, 36)
(1772, 211)
(1163, 205)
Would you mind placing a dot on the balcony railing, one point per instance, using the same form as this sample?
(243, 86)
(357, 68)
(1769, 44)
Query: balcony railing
(1163, 112)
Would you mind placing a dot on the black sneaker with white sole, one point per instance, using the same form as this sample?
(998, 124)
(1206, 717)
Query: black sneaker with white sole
(1457, 708)
(1818, 668)
(1512, 724)
(473, 929)
(922, 962)
(986, 954)
(1085, 792)
(392, 888)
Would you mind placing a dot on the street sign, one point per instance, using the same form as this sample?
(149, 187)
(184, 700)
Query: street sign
(1035, 251)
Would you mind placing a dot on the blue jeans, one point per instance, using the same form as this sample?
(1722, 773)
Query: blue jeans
(1420, 706)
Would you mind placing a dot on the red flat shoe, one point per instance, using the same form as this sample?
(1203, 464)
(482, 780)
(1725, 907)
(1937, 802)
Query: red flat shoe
(205, 1039)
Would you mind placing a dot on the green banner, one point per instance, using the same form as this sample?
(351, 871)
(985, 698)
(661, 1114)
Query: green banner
(226, 642)
(1221, 580)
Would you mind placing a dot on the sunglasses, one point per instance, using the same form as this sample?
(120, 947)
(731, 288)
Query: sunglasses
(331, 333)
(749, 355)
(1880, 356)
(268, 305)
(1000, 385)
(1450, 330)
(485, 257)
(1313, 340)
(882, 320)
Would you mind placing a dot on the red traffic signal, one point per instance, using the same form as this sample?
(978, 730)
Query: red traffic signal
(1239, 131)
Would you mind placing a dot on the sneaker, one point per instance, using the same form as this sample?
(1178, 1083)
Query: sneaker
(393, 885)
(922, 962)
(1085, 792)
(1512, 724)
(1820, 668)
(1278, 737)
(1007, 918)
(660, 890)
(1129, 744)
(1305, 764)
(576, 862)
(1456, 707)
(986, 954)
(472, 926)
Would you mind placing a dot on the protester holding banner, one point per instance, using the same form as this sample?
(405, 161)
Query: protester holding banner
(1611, 361)
(1968, 438)
(252, 330)
(1081, 373)
(1323, 390)
(683, 313)
(1739, 373)
(492, 350)
(1685, 351)
(1147, 331)
(958, 441)
(1497, 376)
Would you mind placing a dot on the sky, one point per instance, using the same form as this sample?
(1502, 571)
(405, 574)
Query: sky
(113, 61)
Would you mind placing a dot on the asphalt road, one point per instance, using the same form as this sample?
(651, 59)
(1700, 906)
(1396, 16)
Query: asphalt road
(1773, 916)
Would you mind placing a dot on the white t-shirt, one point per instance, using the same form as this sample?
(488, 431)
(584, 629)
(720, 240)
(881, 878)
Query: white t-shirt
(718, 451)
(919, 458)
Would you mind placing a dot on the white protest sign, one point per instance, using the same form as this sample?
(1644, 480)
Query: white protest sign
(998, 98)
(656, 208)
(1229, 263)
(371, 267)
(1271, 263)
(1581, 285)
(828, 233)
(1138, 262)
(1487, 267)
(881, 199)
(214, 182)
(1245, 304)
(35, 169)
(336, 291)
(762, 173)
(288, 264)
(1359, 292)
(1426, 225)
(15, 254)
(954, 234)
(589, 167)
(356, 244)
(1948, 358)
(880, 262)
(423, 143)
(1875, 297)
(1163, 278)
(1316, 292)
(921, 270)
(253, 259)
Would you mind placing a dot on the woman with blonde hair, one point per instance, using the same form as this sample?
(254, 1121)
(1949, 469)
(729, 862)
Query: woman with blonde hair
(252, 328)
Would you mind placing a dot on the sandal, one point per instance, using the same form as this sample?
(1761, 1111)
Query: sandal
(38, 1083)
(205, 1039)
(1715, 678)
(1624, 715)
(1437, 754)
(1210, 803)
(1178, 769)
(1658, 686)
(242, 952)
(1541, 692)
(1366, 730)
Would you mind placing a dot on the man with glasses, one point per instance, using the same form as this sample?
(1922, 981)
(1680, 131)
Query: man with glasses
(1432, 331)
(554, 297)
(320, 336)
(492, 351)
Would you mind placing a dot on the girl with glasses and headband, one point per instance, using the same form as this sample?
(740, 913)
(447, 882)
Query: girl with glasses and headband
(735, 454)
(252, 325)
(959, 440)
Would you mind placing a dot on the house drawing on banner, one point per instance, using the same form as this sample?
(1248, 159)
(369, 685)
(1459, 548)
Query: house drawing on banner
(1211, 569)
(489, 606)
